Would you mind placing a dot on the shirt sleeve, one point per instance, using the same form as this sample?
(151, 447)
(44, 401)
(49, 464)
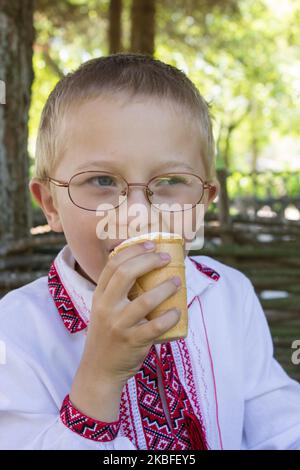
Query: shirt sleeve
(272, 398)
(32, 417)
(86, 426)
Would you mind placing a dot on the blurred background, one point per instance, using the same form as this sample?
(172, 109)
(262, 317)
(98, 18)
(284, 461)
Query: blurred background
(243, 55)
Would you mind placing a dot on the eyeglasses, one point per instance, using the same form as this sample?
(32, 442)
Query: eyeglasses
(89, 189)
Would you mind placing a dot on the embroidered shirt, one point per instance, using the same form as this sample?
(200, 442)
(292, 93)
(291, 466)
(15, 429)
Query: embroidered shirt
(222, 383)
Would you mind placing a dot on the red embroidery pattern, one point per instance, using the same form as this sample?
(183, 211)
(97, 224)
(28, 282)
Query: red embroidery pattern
(85, 426)
(177, 393)
(206, 270)
(189, 375)
(187, 431)
(127, 418)
(67, 310)
(158, 433)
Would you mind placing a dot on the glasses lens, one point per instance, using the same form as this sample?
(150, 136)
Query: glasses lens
(91, 189)
(173, 191)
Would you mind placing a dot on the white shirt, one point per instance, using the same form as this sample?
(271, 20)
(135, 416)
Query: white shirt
(225, 365)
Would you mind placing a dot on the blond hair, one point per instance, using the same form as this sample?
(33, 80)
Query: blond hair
(135, 74)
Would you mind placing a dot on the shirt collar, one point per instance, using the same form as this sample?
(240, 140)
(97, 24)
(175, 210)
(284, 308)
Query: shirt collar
(72, 293)
(199, 276)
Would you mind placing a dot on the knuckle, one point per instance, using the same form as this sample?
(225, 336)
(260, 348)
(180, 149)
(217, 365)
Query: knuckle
(145, 302)
(115, 329)
(157, 327)
(98, 311)
(131, 340)
(113, 264)
(170, 285)
(153, 258)
(121, 271)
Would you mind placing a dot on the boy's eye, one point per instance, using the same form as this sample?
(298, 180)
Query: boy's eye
(103, 181)
(169, 181)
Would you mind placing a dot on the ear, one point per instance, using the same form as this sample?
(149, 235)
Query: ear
(211, 193)
(42, 195)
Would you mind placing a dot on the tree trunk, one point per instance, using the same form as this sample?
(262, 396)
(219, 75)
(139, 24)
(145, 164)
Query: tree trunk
(143, 26)
(115, 26)
(16, 40)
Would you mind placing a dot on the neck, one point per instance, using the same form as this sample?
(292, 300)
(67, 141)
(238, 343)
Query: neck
(82, 272)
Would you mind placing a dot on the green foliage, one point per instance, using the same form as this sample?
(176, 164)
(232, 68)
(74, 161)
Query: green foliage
(242, 55)
(264, 185)
(245, 65)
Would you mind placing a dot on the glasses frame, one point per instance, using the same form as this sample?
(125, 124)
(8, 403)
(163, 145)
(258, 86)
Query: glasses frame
(66, 184)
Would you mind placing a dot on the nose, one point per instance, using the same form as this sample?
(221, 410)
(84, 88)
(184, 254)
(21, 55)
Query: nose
(138, 215)
(137, 194)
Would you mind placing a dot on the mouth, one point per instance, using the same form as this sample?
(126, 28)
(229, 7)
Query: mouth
(114, 246)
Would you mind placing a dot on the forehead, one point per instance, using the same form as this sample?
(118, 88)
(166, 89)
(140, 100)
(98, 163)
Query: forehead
(138, 133)
(119, 114)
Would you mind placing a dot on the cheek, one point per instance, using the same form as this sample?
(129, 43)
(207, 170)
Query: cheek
(80, 232)
(79, 227)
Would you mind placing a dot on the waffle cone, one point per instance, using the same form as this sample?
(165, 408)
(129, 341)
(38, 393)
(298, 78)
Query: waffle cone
(173, 246)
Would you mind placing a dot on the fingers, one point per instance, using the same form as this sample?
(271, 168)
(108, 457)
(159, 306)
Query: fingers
(148, 332)
(139, 308)
(119, 258)
(126, 274)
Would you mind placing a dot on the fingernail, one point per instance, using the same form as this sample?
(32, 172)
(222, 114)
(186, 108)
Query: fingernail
(177, 281)
(165, 256)
(149, 245)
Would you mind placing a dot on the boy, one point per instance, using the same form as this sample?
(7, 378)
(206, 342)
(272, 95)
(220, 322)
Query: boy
(83, 370)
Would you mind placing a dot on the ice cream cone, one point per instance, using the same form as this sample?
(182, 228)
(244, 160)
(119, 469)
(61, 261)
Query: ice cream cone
(174, 245)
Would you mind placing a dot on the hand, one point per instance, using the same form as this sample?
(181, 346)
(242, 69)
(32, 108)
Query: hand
(119, 335)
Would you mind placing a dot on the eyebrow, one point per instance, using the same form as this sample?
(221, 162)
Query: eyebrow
(111, 165)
